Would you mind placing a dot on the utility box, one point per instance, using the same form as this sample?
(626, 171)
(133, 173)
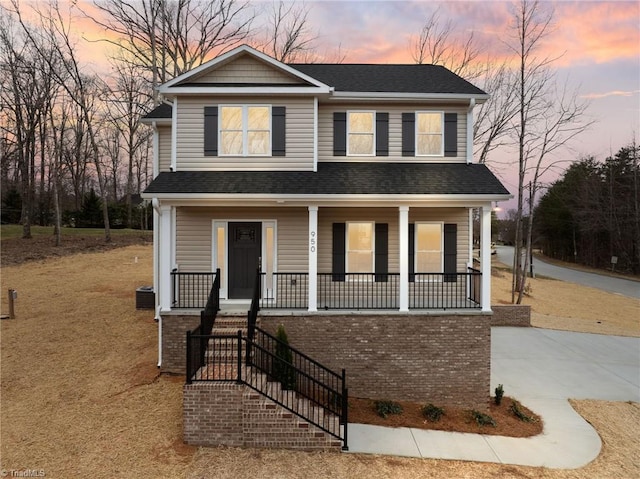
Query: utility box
(145, 298)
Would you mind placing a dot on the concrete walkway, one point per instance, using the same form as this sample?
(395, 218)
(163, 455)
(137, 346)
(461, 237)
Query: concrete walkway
(542, 369)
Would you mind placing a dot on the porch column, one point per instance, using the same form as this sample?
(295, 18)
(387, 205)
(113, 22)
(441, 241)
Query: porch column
(313, 258)
(403, 228)
(164, 258)
(485, 257)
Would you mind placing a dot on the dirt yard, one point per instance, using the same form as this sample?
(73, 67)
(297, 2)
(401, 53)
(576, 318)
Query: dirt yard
(80, 394)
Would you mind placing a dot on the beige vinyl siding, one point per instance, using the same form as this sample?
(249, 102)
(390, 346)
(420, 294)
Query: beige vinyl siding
(299, 136)
(194, 228)
(164, 147)
(328, 216)
(325, 132)
(247, 69)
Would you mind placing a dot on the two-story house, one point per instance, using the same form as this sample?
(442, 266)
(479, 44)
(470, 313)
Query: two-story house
(353, 187)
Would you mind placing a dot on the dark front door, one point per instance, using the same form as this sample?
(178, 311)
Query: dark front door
(245, 248)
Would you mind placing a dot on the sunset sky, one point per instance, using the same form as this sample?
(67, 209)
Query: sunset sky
(598, 44)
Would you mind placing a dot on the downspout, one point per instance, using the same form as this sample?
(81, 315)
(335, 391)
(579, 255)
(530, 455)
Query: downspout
(156, 247)
(472, 104)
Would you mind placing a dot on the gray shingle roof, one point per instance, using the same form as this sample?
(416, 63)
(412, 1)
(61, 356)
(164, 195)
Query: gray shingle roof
(338, 179)
(388, 78)
(161, 111)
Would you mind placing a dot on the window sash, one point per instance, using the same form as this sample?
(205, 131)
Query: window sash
(361, 138)
(360, 247)
(247, 133)
(429, 248)
(429, 133)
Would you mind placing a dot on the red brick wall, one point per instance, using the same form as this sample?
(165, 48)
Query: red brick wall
(174, 334)
(234, 415)
(440, 359)
(511, 315)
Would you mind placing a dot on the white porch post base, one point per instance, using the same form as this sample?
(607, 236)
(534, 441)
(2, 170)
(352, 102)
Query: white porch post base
(313, 258)
(485, 260)
(404, 257)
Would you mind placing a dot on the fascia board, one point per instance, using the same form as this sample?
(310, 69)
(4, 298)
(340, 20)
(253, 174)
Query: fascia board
(391, 96)
(157, 121)
(324, 200)
(211, 90)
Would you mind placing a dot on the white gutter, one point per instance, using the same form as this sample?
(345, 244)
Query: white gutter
(156, 247)
(472, 104)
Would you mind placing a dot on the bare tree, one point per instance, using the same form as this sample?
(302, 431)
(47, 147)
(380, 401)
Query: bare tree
(288, 35)
(127, 103)
(54, 31)
(169, 37)
(547, 120)
(437, 44)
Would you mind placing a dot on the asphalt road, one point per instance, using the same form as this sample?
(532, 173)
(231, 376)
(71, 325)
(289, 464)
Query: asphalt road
(621, 286)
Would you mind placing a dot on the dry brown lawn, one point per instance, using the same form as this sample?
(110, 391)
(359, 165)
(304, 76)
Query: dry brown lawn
(80, 394)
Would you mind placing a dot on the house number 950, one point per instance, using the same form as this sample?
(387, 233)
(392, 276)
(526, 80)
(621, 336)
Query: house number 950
(312, 241)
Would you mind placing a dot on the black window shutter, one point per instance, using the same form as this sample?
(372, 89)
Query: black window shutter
(412, 252)
(339, 250)
(382, 134)
(450, 252)
(382, 252)
(340, 133)
(278, 131)
(408, 134)
(450, 134)
(210, 131)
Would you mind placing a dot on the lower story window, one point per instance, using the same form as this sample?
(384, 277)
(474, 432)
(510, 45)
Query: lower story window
(360, 247)
(429, 241)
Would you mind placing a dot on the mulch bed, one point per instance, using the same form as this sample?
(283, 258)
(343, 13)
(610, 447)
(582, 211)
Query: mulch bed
(454, 419)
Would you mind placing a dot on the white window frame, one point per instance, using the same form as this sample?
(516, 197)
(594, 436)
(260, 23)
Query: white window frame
(347, 250)
(373, 133)
(415, 242)
(245, 129)
(417, 133)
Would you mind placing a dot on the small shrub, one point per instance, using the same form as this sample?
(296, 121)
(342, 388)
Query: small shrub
(384, 408)
(282, 370)
(432, 413)
(499, 393)
(520, 414)
(483, 419)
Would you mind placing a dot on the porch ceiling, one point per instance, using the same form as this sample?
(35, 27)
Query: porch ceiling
(441, 181)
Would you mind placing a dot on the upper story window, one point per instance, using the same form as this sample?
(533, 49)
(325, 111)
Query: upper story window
(245, 130)
(361, 133)
(429, 133)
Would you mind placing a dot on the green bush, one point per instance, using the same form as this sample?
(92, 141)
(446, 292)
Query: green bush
(282, 369)
(432, 413)
(499, 393)
(520, 414)
(483, 419)
(384, 408)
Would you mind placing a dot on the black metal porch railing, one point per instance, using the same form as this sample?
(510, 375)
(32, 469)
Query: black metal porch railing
(358, 291)
(191, 290)
(284, 290)
(443, 290)
(196, 350)
(475, 282)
